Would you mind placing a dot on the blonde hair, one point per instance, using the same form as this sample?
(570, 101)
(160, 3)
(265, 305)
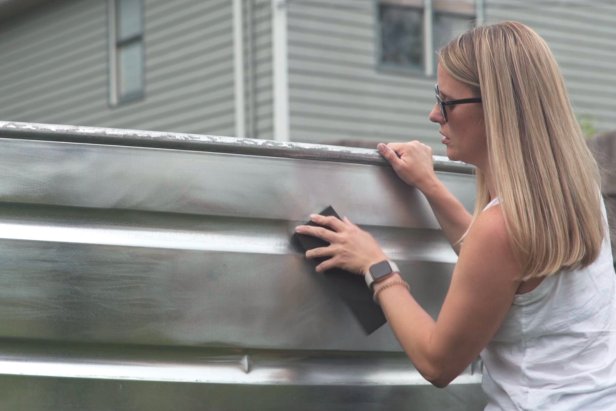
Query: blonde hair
(543, 171)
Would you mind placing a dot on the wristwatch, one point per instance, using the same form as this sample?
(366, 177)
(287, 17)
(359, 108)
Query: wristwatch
(380, 271)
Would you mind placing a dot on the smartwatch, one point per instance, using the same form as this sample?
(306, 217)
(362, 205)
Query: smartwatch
(380, 271)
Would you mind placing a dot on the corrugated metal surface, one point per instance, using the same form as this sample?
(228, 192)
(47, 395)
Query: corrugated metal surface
(581, 35)
(143, 270)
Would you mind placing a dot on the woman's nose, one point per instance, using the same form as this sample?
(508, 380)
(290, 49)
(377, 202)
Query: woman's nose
(435, 115)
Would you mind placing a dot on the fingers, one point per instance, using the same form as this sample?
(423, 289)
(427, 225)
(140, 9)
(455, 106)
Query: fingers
(350, 248)
(320, 252)
(397, 147)
(388, 153)
(328, 229)
(400, 148)
(329, 221)
(326, 265)
(327, 253)
(400, 154)
(319, 232)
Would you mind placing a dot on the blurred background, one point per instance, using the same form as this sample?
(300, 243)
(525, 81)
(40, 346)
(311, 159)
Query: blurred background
(347, 72)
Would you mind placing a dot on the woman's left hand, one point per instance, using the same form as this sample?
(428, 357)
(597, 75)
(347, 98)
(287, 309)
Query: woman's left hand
(350, 247)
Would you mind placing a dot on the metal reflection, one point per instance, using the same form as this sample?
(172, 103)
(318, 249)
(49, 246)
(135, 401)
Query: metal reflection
(139, 269)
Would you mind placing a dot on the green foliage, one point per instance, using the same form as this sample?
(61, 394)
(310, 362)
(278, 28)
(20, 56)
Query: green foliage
(587, 122)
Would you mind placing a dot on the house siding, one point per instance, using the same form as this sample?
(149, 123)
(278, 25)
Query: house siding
(55, 67)
(340, 94)
(53, 63)
(337, 92)
(581, 34)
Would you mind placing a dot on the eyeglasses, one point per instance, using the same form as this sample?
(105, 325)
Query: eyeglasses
(443, 104)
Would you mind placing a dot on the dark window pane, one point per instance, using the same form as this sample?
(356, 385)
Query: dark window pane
(448, 26)
(401, 35)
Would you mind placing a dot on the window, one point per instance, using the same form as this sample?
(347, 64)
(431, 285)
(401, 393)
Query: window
(411, 31)
(126, 51)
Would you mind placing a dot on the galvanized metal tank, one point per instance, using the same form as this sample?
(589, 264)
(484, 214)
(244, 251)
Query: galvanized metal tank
(153, 271)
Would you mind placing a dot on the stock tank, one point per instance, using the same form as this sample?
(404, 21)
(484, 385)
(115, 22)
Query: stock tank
(154, 271)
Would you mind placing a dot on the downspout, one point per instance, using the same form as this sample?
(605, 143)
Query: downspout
(280, 72)
(480, 12)
(111, 50)
(238, 57)
(428, 39)
(251, 73)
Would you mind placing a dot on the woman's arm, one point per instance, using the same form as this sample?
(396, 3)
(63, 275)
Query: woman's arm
(412, 162)
(482, 289)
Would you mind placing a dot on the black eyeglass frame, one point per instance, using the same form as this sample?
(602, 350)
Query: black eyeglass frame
(443, 104)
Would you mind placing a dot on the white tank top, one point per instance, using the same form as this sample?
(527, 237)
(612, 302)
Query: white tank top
(556, 349)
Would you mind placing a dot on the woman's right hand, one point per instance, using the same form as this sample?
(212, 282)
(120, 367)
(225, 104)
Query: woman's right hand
(411, 161)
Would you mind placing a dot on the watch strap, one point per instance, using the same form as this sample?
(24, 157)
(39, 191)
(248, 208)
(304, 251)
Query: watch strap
(369, 277)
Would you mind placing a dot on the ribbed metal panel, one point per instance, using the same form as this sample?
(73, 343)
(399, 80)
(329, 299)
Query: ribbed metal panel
(142, 269)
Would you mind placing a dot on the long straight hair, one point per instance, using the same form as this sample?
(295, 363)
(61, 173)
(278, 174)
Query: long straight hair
(544, 173)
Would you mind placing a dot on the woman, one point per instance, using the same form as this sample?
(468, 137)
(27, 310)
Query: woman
(534, 289)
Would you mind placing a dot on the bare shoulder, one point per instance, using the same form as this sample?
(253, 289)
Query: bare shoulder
(491, 223)
(488, 246)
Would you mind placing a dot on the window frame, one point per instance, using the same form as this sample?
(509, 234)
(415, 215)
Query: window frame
(429, 58)
(391, 67)
(116, 46)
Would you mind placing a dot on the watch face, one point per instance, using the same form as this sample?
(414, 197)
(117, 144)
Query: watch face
(381, 269)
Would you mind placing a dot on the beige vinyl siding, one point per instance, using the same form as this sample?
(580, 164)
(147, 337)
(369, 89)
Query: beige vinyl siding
(53, 59)
(189, 59)
(338, 93)
(581, 34)
(55, 67)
